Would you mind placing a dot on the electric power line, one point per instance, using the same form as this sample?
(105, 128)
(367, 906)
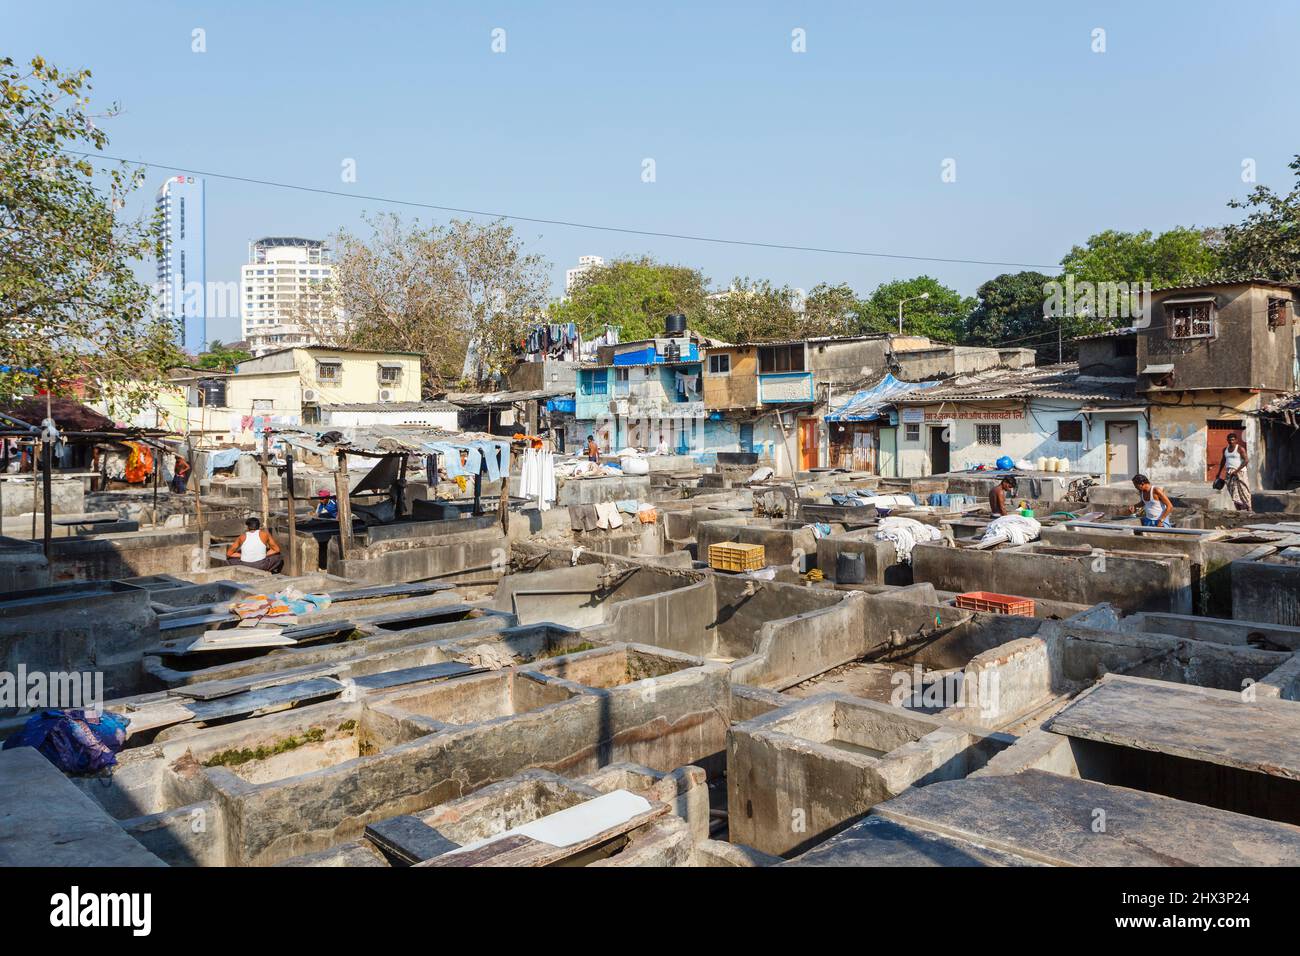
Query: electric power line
(789, 247)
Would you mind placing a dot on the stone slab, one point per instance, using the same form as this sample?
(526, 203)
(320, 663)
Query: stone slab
(1211, 726)
(1050, 818)
(875, 841)
(45, 820)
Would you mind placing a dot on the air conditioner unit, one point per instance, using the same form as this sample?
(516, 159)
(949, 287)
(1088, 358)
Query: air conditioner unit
(309, 395)
(385, 395)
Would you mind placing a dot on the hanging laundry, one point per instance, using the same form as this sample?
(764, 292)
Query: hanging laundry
(537, 477)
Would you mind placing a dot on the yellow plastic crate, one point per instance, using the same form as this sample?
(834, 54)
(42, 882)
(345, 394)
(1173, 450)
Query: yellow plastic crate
(734, 556)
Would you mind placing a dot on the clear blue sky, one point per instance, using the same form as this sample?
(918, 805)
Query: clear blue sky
(840, 146)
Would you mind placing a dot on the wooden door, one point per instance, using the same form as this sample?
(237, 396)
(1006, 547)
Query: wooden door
(808, 457)
(1216, 440)
(1121, 450)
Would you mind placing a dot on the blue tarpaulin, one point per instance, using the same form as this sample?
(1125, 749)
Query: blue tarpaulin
(868, 404)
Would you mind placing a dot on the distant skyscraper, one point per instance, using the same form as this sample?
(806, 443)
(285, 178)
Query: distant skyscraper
(284, 295)
(182, 270)
(585, 264)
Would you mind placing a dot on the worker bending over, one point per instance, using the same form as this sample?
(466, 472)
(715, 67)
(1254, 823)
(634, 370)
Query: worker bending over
(1156, 508)
(998, 496)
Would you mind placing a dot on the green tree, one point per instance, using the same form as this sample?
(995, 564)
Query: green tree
(634, 295)
(753, 311)
(831, 310)
(222, 357)
(1266, 244)
(1180, 256)
(941, 316)
(70, 304)
(1009, 311)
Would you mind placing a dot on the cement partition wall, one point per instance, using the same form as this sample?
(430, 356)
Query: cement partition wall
(799, 774)
(22, 565)
(1132, 581)
(1210, 553)
(780, 634)
(126, 555)
(658, 708)
(98, 626)
(1080, 654)
(880, 558)
(424, 550)
(784, 542)
(1267, 588)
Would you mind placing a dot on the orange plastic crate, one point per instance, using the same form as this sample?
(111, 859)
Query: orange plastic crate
(996, 603)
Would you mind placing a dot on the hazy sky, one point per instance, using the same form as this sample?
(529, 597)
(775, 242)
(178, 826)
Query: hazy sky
(841, 146)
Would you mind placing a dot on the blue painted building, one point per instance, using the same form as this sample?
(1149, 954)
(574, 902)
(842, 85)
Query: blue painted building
(182, 267)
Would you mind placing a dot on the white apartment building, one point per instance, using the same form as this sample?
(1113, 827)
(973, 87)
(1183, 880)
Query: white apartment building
(585, 264)
(286, 279)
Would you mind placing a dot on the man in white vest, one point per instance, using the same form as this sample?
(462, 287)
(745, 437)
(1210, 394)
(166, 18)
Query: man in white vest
(256, 548)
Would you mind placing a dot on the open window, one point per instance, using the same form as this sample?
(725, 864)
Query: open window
(781, 358)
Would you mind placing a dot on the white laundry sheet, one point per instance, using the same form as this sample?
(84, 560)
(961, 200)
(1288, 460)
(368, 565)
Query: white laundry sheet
(575, 824)
(905, 533)
(1014, 528)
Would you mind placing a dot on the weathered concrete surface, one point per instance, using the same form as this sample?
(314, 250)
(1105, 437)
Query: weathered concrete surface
(99, 626)
(127, 555)
(422, 550)
(876, 841)
(1198, 744)
(1131, 581)
(1049, 818)
(1267, 590)
(799, 774)
(23, 565)
(784, 542)
(46, 821)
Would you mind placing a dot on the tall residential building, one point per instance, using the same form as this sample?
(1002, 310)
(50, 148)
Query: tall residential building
(283, 295)
(585, 264)
(182, 269)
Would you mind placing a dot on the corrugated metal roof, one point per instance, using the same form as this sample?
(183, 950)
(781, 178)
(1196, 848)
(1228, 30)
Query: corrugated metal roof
(1049, 381)
(395, 407)
(1108, 334)
(479, 399)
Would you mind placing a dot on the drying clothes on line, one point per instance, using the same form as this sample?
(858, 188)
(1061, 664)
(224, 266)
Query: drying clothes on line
(222, 458)
(1014, 528)
(905, 533)
(537, 477)
(495, 457)
(73, 740)
(139, 464)
(449, 459)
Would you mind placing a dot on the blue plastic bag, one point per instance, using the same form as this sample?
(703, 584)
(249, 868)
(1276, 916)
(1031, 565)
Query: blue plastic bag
(72, 740)
(1005, 463)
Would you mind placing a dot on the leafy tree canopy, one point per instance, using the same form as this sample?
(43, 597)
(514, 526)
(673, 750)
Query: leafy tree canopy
(635, 295)
(70, 304)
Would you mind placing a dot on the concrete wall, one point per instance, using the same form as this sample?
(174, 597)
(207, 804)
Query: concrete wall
(1133, 582)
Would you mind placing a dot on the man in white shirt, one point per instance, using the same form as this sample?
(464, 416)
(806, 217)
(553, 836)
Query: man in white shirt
(255, 548)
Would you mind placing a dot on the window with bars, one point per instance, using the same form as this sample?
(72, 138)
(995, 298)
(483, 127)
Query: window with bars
(1276, 312)
(329, 373)
(911, 431)
(988, 434)
(1190, 321)
(1069, 431)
